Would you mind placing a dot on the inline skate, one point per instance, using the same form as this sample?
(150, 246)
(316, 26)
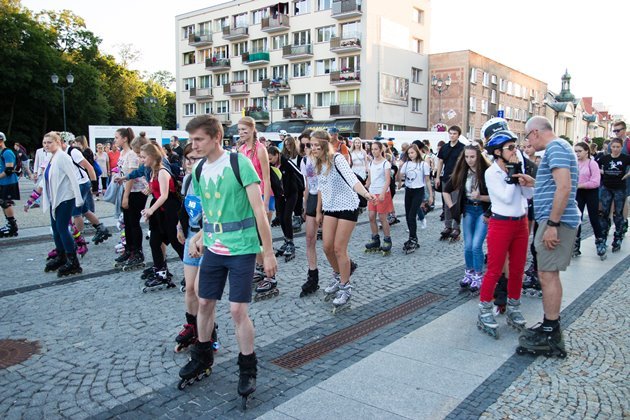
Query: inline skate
(576, 248)
(135, 261)
(464, 283)
(500, 295)
(392, 219)
(600, 244)
(259, 274)
(247, 366)
(624, 227)
(10, 229)
(542, 339)
(332, 288)
(617, 240)
(283, 248)
(71, 266)
(119, 262)
(454, 235)
(445, 234)
(102, 234)
(386, 248)
(475, 284)
(514, 317)
(267, 289)
(289, 251)
(410, 246)
(374, 245)
(160, 281)
(199, 365)
(342, 299)
(319, 234)
(51, 254)
(79, 241)
(182, 286)
(312, 283)
(486, 321)
(188, 335)
(146, 273)
(58, 261)
(297, 223)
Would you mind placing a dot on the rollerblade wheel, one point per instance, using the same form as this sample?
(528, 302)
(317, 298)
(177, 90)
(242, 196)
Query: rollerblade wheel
(521, 350)
(145, 289)
(178, 348)
(182, 289)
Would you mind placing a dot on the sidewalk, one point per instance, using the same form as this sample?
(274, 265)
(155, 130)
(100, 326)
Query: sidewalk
(448, 366)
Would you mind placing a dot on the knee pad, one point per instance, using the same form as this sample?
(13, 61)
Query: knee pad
(5, 204)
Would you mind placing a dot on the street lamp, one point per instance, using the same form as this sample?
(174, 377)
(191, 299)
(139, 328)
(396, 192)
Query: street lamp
(440, 85)
(273, 93)
(55, 81)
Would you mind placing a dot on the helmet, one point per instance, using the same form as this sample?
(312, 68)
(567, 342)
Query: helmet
(283, 132)
(498, 139)
(492, 126)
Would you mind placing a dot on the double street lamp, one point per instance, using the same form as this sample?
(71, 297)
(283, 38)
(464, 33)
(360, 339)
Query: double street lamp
(440, 85)
(55, 81)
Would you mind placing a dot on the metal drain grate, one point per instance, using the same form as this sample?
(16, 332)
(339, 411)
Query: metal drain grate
(299, 357)
(13, 352)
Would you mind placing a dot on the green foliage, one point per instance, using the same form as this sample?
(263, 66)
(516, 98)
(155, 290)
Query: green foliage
(104, 92)
(562, 136)
(599, 141)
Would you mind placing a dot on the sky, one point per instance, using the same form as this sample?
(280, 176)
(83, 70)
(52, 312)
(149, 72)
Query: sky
(540, 38)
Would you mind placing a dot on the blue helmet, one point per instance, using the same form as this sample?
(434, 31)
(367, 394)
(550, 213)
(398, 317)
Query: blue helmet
(498, 139)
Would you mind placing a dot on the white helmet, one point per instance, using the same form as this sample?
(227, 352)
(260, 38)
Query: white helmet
(283, 132)
(492, 126)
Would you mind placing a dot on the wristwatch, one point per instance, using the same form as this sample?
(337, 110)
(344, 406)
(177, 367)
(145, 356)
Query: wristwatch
(552, 224)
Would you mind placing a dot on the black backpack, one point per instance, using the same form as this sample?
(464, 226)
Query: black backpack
(233, 164)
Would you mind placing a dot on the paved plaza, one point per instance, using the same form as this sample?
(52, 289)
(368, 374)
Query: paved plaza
(408, 348)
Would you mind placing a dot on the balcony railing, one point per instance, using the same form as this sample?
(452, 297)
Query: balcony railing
(293, 52)
(199, 40)
(345, 44)
(217, 64)
(200, 93)
(342, 9)
(236, 33)
(235, 88)
(223, 118)
(345, 110)
(299, 112)
(281, 85)
(257, 113)
(345, 77)
(275, 24)
(257, 58)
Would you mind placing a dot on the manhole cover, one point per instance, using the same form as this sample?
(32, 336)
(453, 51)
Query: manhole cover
(13, 352)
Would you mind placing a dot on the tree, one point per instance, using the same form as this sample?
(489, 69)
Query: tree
(163, 78)
(128, 54)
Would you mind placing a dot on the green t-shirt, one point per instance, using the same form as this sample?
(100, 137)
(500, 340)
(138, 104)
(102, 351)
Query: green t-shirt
(223, 201)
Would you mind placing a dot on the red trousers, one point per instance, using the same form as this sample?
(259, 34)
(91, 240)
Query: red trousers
(505, 237)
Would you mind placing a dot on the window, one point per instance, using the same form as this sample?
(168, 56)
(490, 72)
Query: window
(324, 34)
(302, 100)
(350, 62)
(493, 96)
(415, 104)
(281, 103)
(259, 102)
(220, 23)
(417, 46)
(204, 82)
(417, 16)
(517, 89)
(189, 58)
(279, 41)
(348, 96)
(187, 31)
(239, 48)
(203, 54)
(325, 66)
(257, 15)
(510, 88)
(189, 83)
(221, 52)
(531, 107)
(484, 106)
(523, 92)
(190, 109)
(300, 7)
(494, 79)
(302, 38)
(259, 45)
(222, 107)
(508, 112)
(240, 21)
(472, 106)
(325, 98)
(259, 74)
(206, 107)
(486, 79)
(221, 79)
(473, 75)
(324, 4)
(238, 105)
(302, 69)
(239, 76)
(416, 75)
(280, 72)
(205, 28)
(502, 85)
(351, 30)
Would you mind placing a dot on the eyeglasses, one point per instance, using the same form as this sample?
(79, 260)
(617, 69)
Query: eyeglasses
(618, 130)
(529, 134)
(307, 145)
(511, 147)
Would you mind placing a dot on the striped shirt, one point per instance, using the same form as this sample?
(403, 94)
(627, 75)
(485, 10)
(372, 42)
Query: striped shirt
(558, 154)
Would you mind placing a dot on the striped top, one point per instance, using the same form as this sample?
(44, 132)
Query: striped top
(558, 154)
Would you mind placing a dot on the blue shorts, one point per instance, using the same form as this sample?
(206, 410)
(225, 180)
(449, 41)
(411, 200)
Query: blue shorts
(272, 203)
(214, 272)
(88, 201)
(188, 260)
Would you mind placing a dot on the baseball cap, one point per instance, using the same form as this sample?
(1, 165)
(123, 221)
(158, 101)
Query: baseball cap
(333, 130)
(2, 136)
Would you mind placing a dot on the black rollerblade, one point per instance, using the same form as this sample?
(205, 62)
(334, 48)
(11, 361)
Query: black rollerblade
(199, 365)
(267, 289)
(374, 245)
(386, 248)
(182, 286)
(102, 234)
(500, 295)
(122, 259)
(353, 267)
(146, 273)
(188, 335)
(159, 282)
(275, 222)
(135, 261)
(531, 284)
(486, 321)
(280, 251)
(454, 235)
(392, 219)
(600, 244)
(289, 251)
(617, 240)
(543, 340)
(410, 246)
(445, 234)
(247, 366)
(312, 283)
(297, 223)
(576, 248)
(259, 274)
(624, 227)
(10, 229)
(56, 262)
(71, 266)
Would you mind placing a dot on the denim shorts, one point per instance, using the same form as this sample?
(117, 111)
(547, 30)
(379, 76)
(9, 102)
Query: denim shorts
(214, 272)
(88, 201)
(188, 260)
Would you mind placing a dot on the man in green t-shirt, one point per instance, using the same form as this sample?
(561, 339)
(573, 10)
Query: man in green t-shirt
(229, 242)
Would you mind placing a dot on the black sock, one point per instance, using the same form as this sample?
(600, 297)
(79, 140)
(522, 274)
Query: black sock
(555, 323)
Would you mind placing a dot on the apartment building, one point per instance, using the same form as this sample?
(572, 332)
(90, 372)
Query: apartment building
(360, 65)
(481, 88)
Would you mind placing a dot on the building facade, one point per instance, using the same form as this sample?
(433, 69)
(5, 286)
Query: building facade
(481, 88)
(357, 64)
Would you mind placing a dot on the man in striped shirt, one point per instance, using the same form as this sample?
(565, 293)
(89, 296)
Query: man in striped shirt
(557, 214)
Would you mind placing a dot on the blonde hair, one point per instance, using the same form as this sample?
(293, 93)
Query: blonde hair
(138, 143)
(54, 135)
(152, 151)
(353, 147)
(326, 154)
(251, 123)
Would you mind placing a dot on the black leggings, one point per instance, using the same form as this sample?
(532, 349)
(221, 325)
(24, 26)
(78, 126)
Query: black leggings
(163, 225)
(131, 217)
(413, 200)
(299, 204)
(284, 211)
(589, 198)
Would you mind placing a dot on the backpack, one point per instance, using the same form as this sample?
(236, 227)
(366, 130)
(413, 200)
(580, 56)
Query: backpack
(233, 164)
(17, 168)
(81, 168)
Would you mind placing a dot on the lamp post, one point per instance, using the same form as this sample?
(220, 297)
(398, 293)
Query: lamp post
(440, 85)
(271, 92)
(55, 80)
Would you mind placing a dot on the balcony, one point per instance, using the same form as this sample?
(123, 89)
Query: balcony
(235, 89)
(345, 44)
(345, 111)
(296, 52)
(280, 85)
(299, 112)
(275, 24)
(257, 113)
(255, 59)
(346, 9)
(345, 77)
(218, 64)
(223, 118)
(203, 93)
(235, 34)
(199, 40)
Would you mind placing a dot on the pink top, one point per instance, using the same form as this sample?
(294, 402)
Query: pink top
(253, 156)
(589, 176)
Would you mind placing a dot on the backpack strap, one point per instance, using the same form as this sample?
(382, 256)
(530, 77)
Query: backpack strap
(339, 172)
(81, 168)
(233, 164)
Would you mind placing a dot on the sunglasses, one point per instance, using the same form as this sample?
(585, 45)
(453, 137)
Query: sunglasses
(618, 130)
(307, 145)
(511, 147)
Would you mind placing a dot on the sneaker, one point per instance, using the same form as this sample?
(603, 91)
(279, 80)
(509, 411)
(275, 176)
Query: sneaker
(423, 223)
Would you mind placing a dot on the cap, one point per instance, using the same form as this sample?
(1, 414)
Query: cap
(333, 130)
(2, 136)
(283, 132)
